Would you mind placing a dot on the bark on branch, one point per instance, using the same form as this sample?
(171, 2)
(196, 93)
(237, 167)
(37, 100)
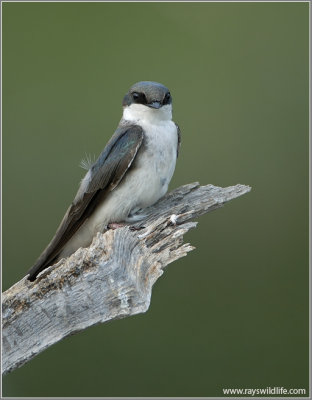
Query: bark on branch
(111, 279)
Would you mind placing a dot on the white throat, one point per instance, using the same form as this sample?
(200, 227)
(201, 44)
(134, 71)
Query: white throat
(140, 112)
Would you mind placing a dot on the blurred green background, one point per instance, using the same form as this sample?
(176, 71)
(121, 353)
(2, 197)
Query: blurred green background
(234, 312)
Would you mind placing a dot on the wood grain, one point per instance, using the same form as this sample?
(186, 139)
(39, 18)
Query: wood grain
(111, 279)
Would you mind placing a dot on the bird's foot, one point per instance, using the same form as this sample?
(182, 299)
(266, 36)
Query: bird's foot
(134, 228)
(115, 225)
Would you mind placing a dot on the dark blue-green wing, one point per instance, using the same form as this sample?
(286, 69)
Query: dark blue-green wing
(104, 175)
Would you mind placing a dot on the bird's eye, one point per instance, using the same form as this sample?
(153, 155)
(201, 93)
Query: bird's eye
(167, 98)
(139, 98)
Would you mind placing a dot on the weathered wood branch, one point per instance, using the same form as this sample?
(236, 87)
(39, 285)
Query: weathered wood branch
(111, 279)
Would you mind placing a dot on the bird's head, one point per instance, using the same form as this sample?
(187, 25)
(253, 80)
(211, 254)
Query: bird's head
(147, 100)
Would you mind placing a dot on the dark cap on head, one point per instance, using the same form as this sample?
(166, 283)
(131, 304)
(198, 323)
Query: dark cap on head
(151, 94)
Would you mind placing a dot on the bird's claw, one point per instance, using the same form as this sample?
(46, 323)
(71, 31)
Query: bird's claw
(134, 228)
(115, 225)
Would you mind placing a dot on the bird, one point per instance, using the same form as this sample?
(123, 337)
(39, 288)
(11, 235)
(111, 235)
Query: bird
(131, 173)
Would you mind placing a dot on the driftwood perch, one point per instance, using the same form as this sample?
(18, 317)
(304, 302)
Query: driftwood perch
(111, 279)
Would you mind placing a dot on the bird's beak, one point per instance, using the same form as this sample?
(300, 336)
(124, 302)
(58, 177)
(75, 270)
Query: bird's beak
(154, 104)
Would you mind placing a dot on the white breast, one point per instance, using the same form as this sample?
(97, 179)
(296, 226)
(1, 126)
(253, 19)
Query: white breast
(156, 162)
(157, 158)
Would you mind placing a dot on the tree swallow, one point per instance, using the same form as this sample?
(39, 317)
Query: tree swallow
(132, 172)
